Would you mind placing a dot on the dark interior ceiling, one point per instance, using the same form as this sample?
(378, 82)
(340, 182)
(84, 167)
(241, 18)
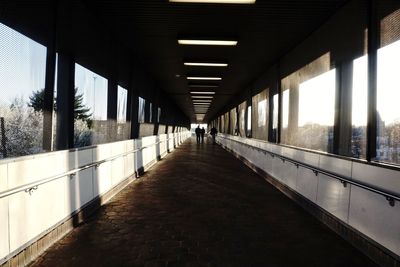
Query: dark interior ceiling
(265, 31)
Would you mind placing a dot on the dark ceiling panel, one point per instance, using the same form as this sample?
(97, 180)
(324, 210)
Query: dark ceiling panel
(265, 31)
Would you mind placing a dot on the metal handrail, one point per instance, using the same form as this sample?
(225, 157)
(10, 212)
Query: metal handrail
(390, 197)
(29, 188)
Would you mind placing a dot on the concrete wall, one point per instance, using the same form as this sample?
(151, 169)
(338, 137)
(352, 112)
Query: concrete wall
(365, 211)
(26, 217)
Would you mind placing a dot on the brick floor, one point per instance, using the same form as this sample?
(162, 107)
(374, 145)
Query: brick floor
(200, 206)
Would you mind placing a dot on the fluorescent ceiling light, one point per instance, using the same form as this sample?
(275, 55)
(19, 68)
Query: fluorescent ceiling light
(205, 64)
(202, 93)
(202, 96)
(203, 85)
(204, 78)
(216, 1)
(207, 42)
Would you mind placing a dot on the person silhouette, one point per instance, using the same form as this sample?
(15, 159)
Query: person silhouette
(213, 133)
(198, 133)
(202, 132)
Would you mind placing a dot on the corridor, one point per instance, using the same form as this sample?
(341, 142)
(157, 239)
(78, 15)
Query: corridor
(200, 206)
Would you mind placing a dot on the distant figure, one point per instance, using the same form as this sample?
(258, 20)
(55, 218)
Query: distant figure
(202, 134)
(213, 133)
(198, 132)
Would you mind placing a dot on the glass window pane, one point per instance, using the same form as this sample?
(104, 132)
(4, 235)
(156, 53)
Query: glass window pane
(249, 119)
(141, 108)
(242, 109)
(90, 112)
(122, 104)
(233, 118)
(22, 81)
(150, 112)
(388, 93)
(158, 114)
(260, 115)
(275, 117)
(309, 106)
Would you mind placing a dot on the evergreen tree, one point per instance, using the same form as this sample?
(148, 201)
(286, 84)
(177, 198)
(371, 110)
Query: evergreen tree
(36, 101)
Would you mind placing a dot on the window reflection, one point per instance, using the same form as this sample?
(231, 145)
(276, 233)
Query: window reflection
(248, 119)
(22, 82)
(234, 128)
(90, 108)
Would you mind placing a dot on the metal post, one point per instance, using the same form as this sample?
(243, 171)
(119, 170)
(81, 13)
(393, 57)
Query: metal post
(3, 138)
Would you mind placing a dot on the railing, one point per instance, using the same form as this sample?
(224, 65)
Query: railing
(31, 187)
(390, 197)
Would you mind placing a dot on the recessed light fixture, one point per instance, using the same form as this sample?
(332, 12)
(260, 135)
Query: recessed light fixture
(216, 1)
(202, 93)
(202, 96)
(205, 64)
(203, 85)
(207, 42)
(204, 78)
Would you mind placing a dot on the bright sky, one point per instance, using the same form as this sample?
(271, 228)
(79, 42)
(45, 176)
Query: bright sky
(389, 83)
(122, 104)
(317, 100)
(22, 65)
(360, 91)
(94, 89)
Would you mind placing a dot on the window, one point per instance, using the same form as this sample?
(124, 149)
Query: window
(260, 115)
(141, 110)
(309, 106)
(122, 104)
(388, 93)
(158, 114)
(275, 117)
(150, 112)
(90, 114)
(234, 126)
(22, 82)
(241, 122)
(248, 120)
(123, 128)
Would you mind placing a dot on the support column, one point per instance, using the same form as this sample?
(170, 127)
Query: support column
(65, 102)
(112, 102)
(133, 104)
(155, 110)
(373, 44)
(48, 99)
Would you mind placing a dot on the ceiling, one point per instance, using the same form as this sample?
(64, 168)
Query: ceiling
(265, 31)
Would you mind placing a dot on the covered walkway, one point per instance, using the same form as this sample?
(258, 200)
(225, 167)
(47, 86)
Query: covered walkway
(200, 206)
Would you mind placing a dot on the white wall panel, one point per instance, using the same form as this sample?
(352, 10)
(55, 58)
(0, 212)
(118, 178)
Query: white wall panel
(333, 196)
(371, 214)
(335, 165)
(4, 241)
(386, 179)
(32, 214)
(307, 183)
(80, 190)
(289, 174)
(102, 179)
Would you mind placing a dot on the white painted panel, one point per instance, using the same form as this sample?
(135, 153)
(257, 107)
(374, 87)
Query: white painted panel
(333, 196)
(289, 174)
(30, 170)
(32, 214)
(4, 241)
(102, 152)
(307, 157)
(80, 158)
(117, 170)
(102, 179)
(380, 177)
(130, 159)
(371, 214)
(307, 183)
(80, 189)
(335, 165)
